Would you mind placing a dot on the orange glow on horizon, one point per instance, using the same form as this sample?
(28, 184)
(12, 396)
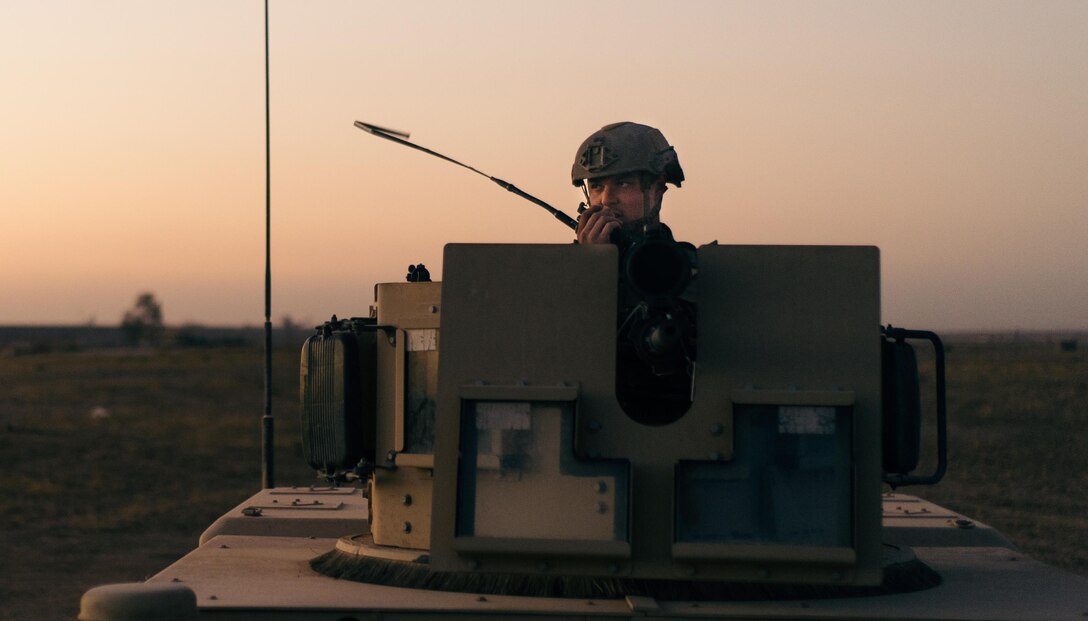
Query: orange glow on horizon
(952, 136)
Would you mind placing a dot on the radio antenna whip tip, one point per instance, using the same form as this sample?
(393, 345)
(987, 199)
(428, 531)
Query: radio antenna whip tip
(370, 128)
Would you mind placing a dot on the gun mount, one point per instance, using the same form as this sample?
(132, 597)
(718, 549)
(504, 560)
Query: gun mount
(506, 475)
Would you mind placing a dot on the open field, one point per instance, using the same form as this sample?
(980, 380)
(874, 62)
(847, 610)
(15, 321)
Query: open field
(114, 462)
(87, 500)
(1018, 433)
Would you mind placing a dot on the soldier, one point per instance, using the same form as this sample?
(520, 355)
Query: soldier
(622, 169)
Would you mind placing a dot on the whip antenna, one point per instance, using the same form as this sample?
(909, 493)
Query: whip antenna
(400, 137)
(268, 477)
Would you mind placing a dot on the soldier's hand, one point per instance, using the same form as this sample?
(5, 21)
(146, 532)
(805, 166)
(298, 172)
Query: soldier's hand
(596, 224)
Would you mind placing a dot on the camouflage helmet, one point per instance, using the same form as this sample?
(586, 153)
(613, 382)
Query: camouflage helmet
(626, 147)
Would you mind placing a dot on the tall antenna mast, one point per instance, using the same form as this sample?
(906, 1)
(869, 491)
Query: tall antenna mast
(268, 461)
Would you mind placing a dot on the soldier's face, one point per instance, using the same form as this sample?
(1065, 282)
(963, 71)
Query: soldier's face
(621, 195)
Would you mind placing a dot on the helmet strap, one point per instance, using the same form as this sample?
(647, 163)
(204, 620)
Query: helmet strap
(650, 207)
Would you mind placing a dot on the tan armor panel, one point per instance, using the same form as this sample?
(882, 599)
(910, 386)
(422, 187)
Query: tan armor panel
(408, 316)
(788, 354)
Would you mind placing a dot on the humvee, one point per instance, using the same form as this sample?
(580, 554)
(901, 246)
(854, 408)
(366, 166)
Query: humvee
(645, 430)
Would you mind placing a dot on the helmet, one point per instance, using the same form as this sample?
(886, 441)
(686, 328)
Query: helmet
(626, 148)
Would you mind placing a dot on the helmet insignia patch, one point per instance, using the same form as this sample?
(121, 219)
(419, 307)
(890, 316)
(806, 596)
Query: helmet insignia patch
(597, 156)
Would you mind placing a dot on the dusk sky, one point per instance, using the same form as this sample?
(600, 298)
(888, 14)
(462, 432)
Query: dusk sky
(953, 135)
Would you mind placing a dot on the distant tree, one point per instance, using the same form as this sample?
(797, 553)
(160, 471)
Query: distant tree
(143, 323)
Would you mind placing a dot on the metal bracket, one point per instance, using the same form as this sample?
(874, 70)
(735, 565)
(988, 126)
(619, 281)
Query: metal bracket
(900, 480)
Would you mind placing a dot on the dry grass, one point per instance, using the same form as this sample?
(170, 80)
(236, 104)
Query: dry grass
(1018, 432)
(85, 501)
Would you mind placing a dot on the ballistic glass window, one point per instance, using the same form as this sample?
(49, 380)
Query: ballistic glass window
(789, 482)
(519, 478)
